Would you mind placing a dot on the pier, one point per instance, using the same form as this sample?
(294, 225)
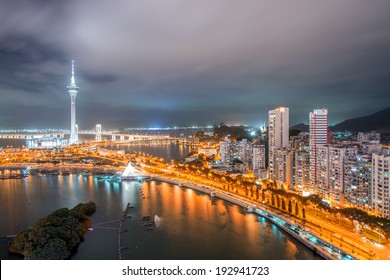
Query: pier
(123, 218)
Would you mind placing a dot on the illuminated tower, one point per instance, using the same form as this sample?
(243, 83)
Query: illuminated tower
(73, 89)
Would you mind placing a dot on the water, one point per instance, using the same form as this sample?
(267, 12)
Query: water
(191, 225)
(166, 151)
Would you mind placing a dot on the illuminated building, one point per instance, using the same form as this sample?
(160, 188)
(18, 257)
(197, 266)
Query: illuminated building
(330, 169)
(73, 90)
(45, 142)
(357, 181)
(380, 183)
(258, 161)
(318, 130)
(302, 168)
(278, 134)
(283, 167)
(244, 151)
(224, 150)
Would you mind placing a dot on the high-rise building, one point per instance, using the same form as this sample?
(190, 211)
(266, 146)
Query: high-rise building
(244, 152)
(330, 169)
(357, 181)
(302, 168)
(380, 184)
(318, 123)
(258, 161)
(283, 168)
(278, 132)
(224, 150)
(73, 90)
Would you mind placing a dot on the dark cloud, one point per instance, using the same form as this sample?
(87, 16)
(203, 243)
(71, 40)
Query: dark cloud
(175, 62)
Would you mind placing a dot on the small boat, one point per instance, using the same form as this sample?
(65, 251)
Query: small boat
(90, 229)
(146, 218)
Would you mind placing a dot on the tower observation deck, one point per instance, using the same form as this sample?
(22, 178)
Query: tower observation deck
(73, 90)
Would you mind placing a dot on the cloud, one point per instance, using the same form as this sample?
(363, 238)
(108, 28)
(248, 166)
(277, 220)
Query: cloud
(197, 61)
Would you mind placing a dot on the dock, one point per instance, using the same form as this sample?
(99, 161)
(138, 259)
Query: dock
(123, 218)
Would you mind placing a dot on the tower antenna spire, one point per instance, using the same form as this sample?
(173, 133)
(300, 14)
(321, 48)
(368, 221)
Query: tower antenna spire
(72, 80)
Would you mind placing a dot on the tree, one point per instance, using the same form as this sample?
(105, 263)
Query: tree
(283, 204)
(303, 213)
(296, 209)
(273, 200)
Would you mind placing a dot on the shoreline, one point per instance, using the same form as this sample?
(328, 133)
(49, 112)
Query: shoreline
(272, 217)
(317, 245)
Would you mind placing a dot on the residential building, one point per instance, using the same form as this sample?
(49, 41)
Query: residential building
(357, 181)
(283, 171)
(258, 161)
(278, 133)
(318, 130)
(368, 136)
(380, 184)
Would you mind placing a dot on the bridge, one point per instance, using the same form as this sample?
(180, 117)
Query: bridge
(99, 134)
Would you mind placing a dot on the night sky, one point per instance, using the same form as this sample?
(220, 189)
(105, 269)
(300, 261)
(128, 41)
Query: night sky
(144, 63)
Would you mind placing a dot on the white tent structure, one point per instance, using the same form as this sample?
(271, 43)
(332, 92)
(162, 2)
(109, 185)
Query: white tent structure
(132, 173)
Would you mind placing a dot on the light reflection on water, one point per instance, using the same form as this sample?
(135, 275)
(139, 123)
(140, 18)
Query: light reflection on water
(191, 225)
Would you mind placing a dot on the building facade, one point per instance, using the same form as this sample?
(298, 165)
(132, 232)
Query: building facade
(283, 171)
(258, 161)
(357, 181)
(278, 135)
(318, 136)
(380, 184)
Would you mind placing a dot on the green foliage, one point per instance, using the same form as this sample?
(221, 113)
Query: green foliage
(235, 132)
(54, 249)
(55, 236)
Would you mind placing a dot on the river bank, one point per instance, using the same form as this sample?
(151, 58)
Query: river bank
(313, 242)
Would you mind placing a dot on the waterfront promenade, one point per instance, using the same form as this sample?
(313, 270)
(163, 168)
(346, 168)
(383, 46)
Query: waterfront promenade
(307, 232)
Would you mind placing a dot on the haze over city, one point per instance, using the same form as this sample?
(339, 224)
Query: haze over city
(184, 63)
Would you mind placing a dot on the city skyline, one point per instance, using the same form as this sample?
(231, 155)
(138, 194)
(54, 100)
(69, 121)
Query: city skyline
(181, 64)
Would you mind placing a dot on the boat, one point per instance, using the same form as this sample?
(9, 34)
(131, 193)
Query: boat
(146, 218)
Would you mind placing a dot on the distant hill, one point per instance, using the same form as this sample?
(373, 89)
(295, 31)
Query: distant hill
(379, 121)
(301, 127)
